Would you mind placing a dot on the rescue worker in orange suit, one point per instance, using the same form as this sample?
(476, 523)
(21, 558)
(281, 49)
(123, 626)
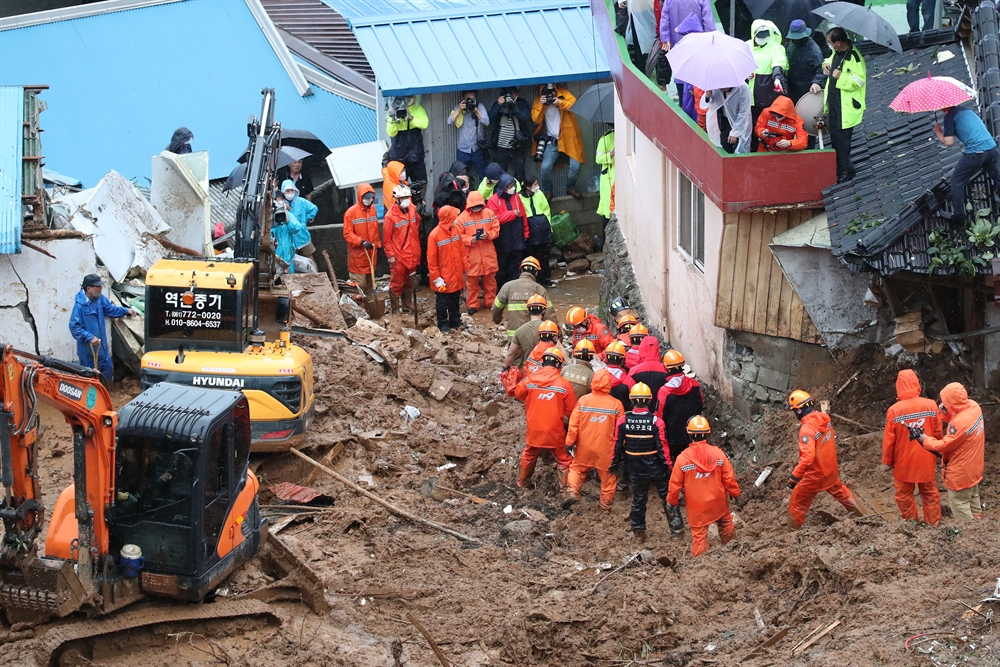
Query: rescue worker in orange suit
(641, 451)
(817, 469)
(361, 235)
(401, 231)
(447, 263)
(579, 371)
(393, 174)
(624, 326)
(650, 370)
(962, 451)
(706, 476)
(479, 227)
(548, 334)
(548, 401)
(911, 464)
(678, 400)
(780, 129)
(592, 430)
(635, 336)
(526, 337)
(586, 326)
(621, 383)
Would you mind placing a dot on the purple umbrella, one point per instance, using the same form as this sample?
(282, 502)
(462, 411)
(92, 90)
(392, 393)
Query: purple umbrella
(710, 60)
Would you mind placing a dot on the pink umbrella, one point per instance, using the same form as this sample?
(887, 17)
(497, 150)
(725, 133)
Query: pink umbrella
(931, 94)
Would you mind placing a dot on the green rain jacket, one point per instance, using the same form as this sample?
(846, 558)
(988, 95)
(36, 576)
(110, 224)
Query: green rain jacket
(851, 84)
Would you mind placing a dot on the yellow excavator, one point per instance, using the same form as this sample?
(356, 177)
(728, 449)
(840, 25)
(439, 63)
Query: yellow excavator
(202, 315)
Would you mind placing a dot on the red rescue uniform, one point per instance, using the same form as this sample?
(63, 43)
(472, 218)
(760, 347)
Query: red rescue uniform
(597, 333)
(592, 429)
(817, 469)
(401, 231)
(962, 450)
(706, 476)
(360, 225)
(548, 399)
(482, 254)
(446, 258)
(770, 130)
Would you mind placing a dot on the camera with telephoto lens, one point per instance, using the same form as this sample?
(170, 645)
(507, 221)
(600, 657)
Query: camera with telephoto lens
(469, 104)
(401, 114)
(508, 103)
(540, 149)
(549, 95)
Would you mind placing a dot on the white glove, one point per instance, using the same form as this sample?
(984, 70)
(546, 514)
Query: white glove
(439, 283)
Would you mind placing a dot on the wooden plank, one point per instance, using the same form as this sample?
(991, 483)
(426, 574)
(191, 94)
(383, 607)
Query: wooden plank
(815, 639)
(768, 265)
(739, 269)
(327, 460)
(798, 313)
(777, 278)
(727, 266)
(777, 637)
(753, 268)
(785, 310)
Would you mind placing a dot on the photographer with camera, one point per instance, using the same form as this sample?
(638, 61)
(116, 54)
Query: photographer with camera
(405, 124)
(469, 117)
(557, 134)
(510, 132)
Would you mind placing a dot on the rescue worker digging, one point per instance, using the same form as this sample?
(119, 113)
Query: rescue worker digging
(479, 228)
(512, 299)
(361, 235)
(678, 400)
(548, 333)
(912, 465)
(401, 231)
(548, 401)
(579, 372)
(962, 451)
(817, 469)
(592, 431)
(641, 448)
(706, 476)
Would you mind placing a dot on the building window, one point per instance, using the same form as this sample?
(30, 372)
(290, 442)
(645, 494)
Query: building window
(690, 220)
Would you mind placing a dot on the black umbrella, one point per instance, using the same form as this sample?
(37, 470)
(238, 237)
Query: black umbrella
(783, 12)
(305, 140)
(863, 21)
(597, 103)
(286, 156)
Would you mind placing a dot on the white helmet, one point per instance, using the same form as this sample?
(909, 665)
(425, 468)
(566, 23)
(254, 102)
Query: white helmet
(400, 192)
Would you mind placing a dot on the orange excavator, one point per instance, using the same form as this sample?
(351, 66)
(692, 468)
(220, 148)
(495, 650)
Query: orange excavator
(162, 501)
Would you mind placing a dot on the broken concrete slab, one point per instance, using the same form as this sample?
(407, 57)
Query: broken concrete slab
(315, 293)
(179, 191)
(440, 388)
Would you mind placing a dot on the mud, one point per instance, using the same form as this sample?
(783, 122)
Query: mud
(543, 587)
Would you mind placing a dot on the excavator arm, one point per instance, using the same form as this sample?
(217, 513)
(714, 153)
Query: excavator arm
(79, 394)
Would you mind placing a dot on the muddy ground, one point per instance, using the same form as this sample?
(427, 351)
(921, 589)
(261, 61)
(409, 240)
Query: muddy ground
(544, 585)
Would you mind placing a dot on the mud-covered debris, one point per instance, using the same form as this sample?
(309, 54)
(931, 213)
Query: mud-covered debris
(440, 388)
(302, 495)
(516, 529)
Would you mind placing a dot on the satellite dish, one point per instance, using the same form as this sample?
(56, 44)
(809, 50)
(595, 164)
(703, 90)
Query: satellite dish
(810, 109)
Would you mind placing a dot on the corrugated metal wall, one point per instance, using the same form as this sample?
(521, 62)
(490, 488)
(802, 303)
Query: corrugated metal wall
(11, 147)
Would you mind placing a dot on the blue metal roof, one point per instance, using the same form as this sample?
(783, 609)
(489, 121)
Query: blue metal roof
(452, 45)
(11, 145)
(121, 83)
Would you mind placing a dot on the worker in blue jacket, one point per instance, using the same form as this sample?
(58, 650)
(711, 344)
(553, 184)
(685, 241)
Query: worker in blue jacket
(305, 212)
(87, 325)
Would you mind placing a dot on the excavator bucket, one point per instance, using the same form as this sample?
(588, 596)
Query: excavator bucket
(48, 587)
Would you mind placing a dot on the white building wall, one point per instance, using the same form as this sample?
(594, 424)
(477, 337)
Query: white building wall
(679, 296)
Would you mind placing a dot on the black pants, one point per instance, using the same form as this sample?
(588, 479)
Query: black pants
(966, 169)
(640, 494)
(724, 129)
(541, 253)
(840, 141)
(416, 172)
(449, 313)
(511, 160)
(510, 266)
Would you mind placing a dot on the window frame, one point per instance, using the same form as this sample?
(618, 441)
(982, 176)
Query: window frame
(694, 225)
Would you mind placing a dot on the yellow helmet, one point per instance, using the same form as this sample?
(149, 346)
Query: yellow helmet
(583, 349)
(576, 315)
(626, 323)
(673, 359)
(638, 331)
(798, 399)
(537, 301)
(698, 425)
(530, 263)
(554, 353)
(640, 391)
(548, 327)
(616, 348)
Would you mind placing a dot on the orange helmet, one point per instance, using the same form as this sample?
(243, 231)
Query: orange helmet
(584, 350)
(673, 359)
(576, 315)
(548, 327)
(637, 332)
(615, 348)
(626, 323)
(640, 391)
(530, 263)
(537, 301)
(698, 425)
(798, 399)
(553, 353)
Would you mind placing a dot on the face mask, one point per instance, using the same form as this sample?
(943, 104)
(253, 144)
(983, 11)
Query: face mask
(761, 41)
(491, 181)
(367, 200)
(534, 188)
(289, 196)
(404, 204)
(511, 191)
(402, 175)
(465, 189)
(476, 209)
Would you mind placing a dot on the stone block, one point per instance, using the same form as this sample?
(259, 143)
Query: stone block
(773, 379)
(759, 393)
(749, 372)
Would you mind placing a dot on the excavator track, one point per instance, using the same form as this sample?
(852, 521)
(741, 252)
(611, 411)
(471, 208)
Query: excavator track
(59, 637)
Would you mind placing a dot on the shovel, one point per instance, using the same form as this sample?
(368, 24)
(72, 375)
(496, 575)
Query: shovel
(376, 308)
(414, 284)
(95, 345)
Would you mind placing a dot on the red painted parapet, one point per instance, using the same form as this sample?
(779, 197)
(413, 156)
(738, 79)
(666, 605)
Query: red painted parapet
(732, 182)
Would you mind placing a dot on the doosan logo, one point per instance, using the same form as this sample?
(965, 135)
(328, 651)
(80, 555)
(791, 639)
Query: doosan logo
(70, 391)
(212, 381)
